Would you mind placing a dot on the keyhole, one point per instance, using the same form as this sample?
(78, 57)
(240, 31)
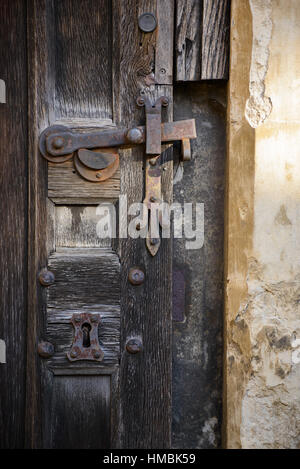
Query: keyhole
(86, 341)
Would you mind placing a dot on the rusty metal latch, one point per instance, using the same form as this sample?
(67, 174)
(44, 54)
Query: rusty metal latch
(59, 143)
(96, 156)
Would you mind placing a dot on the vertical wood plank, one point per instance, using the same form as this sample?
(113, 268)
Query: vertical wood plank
(145, 378)
(215, 39)
(40, 112)
(202, 39)
(188, 39)
(83, 59)
(164, 47)
(13, 207)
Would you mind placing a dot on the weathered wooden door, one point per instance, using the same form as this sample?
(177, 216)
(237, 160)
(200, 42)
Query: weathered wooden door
(85, 64)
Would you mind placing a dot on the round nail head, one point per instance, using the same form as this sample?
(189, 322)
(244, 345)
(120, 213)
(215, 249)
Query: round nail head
(96, 354)
(73, 353)
(134, 136)
(136, 276)
(134, 346)
(147, 22)
(58, 142)
(45, 349)
(46, 278)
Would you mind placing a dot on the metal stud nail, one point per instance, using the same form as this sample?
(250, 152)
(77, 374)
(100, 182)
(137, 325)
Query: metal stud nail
(136, 276)
(46, 277)
(58, 143)
(73, 353)
(45, 349)
(134, 346)
(134, 135)
(96, 354)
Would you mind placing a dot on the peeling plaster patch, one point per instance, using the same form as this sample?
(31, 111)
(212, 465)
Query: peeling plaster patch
(271, 401)
(259, 106)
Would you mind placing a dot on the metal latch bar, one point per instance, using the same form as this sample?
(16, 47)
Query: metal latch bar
(66, 141)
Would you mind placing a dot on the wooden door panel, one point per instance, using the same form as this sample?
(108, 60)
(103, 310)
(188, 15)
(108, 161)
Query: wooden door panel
(76, 226)
(77, 412)
(86, 281)
(65, 186)
(89, 65)
(83, 65)
(82, 50)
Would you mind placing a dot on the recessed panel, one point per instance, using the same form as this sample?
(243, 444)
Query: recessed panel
(83, 51)
(79, 413)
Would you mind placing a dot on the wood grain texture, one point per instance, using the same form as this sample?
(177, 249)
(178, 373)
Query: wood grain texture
(188, 39)
(83, 59)
(64, 184)
(145, 378)
(164, 43)
(13, 207)
(76, 226)
(202, 39)
(70, 414)
(40, 92)
(86, 280)
(215, 39)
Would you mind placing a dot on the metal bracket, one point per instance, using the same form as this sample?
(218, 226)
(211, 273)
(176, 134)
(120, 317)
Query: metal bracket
(153, 123)
(86, 343)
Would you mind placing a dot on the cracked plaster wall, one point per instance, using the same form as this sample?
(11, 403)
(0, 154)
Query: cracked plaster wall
(262, 374)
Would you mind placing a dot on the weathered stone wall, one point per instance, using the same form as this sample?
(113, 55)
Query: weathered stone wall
(262, 323)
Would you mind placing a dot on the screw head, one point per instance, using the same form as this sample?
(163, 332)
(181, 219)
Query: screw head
(134, 346)
(154, 241)
(45, 349)
(96, 354)
(134, 135)
(58, 142)
(136, 276)
(147, 22)
(98, 175)
(73, 353)
(46, 278)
